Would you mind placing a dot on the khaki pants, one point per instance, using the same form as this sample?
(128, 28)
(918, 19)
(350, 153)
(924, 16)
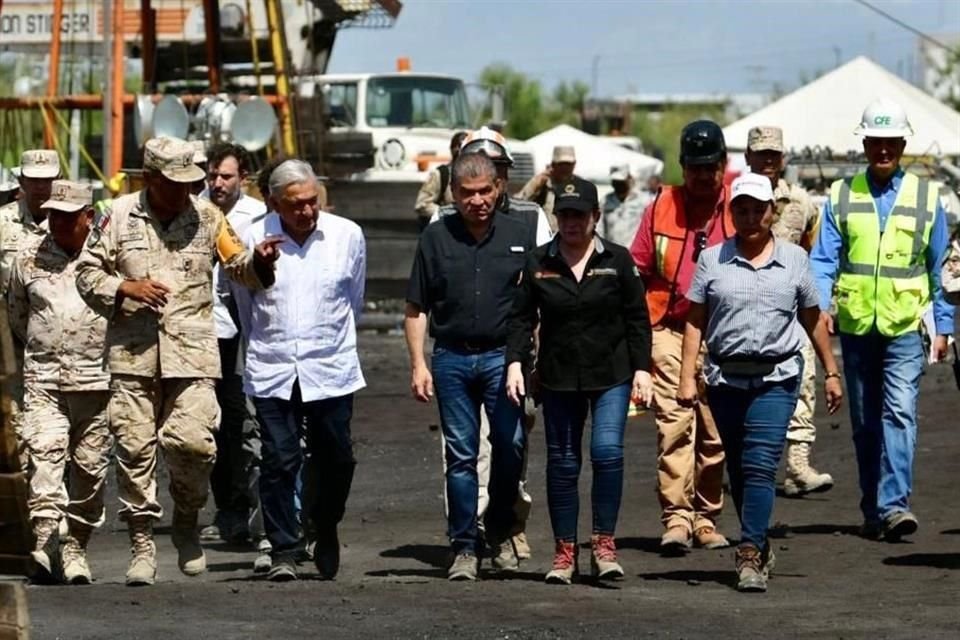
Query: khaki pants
(67, 425)
(802, 428)
(179, 414)
(689, 451)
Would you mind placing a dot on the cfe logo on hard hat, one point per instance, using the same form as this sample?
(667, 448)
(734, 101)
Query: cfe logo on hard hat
(883, 121)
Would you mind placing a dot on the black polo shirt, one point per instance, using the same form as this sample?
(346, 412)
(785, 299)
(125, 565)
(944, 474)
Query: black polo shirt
(467, 287)
(594, 333)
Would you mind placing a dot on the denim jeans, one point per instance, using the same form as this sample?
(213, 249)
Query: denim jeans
(753, 427)
(463, 381)
(564, 416)
(883, 381)
(327, 424)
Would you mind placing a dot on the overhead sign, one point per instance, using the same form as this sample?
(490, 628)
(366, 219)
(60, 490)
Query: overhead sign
(33, 23)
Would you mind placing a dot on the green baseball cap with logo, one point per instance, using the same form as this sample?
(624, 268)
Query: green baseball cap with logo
(173, 158)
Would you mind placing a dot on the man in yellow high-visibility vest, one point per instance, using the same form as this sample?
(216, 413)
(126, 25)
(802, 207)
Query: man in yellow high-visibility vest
(883, 235)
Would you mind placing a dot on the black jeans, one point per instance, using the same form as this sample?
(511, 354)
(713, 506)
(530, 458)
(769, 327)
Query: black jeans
(327, 424)
(236, 450)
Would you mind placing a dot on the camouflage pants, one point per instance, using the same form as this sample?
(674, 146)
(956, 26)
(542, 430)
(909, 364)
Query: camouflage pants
(802, 428)
(178, 414)
(61, 426)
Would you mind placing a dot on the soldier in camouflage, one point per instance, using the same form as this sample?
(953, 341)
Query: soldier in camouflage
(796, 221)
(147, 266)
(20, 222)
(65, 416)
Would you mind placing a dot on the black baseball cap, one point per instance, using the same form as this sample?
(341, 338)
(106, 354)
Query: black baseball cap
(577, 194)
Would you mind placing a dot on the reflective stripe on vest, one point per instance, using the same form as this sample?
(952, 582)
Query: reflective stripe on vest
(883, 276)
(669, 230)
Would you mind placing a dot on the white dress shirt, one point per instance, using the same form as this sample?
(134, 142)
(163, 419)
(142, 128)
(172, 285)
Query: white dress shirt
(305, 326)
(245, 211)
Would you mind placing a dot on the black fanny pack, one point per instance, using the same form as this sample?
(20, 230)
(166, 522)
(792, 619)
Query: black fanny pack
(750, 366)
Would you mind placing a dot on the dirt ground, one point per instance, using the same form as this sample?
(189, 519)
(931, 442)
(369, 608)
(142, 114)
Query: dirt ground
(828, 582)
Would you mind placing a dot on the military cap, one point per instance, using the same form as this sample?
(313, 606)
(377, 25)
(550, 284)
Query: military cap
(40, 163)
(173, 158)
(765, 139)
(69, 196)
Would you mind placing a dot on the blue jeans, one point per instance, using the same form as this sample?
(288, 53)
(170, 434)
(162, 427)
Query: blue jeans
(327, 425)
(753, 427)
(564, 415)
(463, 382)
(883, 381)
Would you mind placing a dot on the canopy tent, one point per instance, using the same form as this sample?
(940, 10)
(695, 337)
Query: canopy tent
(825, 112)
(595, 155)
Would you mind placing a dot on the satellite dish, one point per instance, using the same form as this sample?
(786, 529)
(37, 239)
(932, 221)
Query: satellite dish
(170, 118)
(253, 124)
(143, 119)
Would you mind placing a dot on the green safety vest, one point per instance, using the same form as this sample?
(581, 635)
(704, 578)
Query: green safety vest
(883, 277)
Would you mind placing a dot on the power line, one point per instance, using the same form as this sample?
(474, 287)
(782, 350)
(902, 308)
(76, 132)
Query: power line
(903, 24)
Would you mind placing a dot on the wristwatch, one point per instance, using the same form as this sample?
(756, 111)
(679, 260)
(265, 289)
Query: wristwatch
(831, 374)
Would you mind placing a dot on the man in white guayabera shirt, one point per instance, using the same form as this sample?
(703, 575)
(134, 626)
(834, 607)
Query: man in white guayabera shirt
(302, 365)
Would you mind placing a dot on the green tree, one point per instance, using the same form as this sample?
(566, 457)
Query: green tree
(522, 98)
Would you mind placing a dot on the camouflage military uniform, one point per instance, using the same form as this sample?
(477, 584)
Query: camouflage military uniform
(796, 218)
(541, 192)
(17, 227)
(621, 218)
(66, 384)
(162, 364)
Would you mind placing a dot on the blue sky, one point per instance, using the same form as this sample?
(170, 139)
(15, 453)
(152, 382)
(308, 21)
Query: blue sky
(654, 46)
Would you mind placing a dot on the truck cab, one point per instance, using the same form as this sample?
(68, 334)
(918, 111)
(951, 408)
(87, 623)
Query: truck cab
(393, 127)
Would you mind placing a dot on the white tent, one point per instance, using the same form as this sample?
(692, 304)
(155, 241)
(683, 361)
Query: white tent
(825, 112)
(595, 155)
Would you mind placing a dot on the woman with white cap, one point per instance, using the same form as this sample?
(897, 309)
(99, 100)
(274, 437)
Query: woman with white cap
(751, 298)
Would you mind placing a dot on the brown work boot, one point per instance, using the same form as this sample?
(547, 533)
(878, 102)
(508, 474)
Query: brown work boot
(76, 570)
(750, 574)
(44, 552)
(801, 478)
(707, 537)
(603, 559)
(186, 539)
(522, 545)
(143, 563)
(564, 563)
(675, 540)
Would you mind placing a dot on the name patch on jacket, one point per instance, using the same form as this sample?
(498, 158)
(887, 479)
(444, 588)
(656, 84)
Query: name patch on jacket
(605, 271)
(539, 275)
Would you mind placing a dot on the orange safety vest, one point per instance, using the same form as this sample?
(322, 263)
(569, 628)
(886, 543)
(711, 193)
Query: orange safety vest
(670, 233)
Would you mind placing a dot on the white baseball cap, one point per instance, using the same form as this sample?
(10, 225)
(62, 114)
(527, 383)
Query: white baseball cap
(620, 173)
(754, 185)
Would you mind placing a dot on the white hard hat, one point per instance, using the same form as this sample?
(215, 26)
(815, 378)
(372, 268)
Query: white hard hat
(884, 119)
(492, 143)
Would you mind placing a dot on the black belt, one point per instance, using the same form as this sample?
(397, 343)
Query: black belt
(754, 358)
(750, 365)
(470, 346)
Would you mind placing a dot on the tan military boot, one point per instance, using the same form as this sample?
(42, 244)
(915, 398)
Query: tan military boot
(801, 477)
(186, 539)
(143, 564)
(74, 554)
(45, 550)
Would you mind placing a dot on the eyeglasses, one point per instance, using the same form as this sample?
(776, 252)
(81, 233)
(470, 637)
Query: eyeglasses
(699, 244)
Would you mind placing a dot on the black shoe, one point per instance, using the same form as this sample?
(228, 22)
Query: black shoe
(283, 569)
(899, 524)
(326, 554)
(871, 530)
